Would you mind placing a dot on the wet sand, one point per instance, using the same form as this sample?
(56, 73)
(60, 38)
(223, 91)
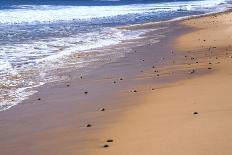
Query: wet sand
(171, 97)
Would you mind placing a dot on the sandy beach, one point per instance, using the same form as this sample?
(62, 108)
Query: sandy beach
(171, 97)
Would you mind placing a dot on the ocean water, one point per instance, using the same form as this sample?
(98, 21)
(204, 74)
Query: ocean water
(39, 37)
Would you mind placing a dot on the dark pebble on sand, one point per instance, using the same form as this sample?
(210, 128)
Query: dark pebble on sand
(86, 92)
(110, 141)
(121, 79)
(135, 91)
(195, 113)
(209, 68)
(39, 99)
(114, 81)
(193, 71)
(88, 125)
(103, 109)
(68, 85)
(105, 145)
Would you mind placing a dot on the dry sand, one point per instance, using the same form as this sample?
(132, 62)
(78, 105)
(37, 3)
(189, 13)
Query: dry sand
(164, 122)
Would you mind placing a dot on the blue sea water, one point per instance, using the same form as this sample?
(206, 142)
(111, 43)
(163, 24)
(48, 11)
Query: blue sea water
(38, 36)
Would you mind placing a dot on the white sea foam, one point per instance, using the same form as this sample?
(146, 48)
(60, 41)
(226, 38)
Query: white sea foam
(46, 13)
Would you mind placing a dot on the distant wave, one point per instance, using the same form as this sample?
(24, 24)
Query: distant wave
(48, 13)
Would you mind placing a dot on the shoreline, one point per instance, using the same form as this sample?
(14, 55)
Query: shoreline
(53, 127)
(147, 27)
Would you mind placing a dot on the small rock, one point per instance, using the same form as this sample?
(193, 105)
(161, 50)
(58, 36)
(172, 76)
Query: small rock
(88, 125)
(121, 79)
(105, 145)
(135, 91)
(67, 85)
(193, 71)
(39, 99)
(114, 81)
(110, 141)
(86, 92)
(102, 109)
(195, 113)
(209, 68)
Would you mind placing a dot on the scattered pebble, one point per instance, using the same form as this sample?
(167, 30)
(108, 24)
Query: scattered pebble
(110, 141)
(209, 68)
(68, 85)
(121, 79)
(102, 109)
(86, 92)
(105, 145)
(195, 113)
(39, 99)
(193, 71)
(88, 125)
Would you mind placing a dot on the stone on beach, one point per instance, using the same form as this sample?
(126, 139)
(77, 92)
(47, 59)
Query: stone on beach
(110, 140)
(105, 145)
(88, 125)
(193, 71)
(195, 113)
(102, 109)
